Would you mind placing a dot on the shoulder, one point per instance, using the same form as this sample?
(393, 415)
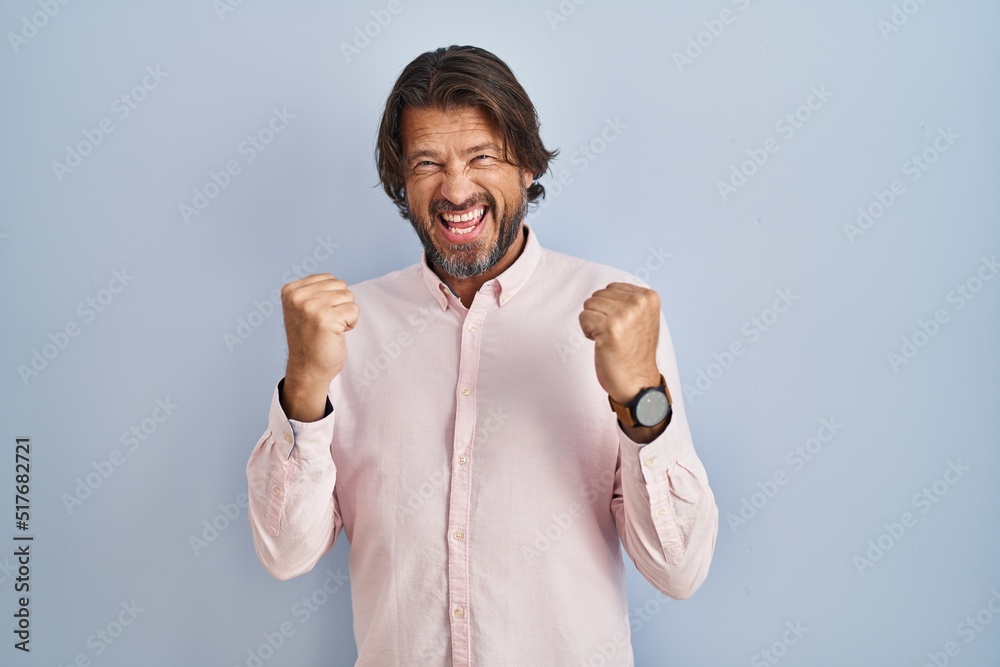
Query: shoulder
(389, 296)
(585, 272)
(388, 283)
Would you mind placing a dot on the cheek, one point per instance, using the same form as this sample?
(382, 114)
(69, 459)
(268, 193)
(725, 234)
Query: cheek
(508, 196)
(418, 197)
(501, 187)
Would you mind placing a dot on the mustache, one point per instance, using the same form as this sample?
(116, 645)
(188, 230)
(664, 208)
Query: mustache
(445, 206)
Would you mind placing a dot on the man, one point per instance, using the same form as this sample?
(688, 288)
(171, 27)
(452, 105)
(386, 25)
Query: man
(509, 416)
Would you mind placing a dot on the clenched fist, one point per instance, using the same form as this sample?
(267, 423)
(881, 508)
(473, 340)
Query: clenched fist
(318, 311)
(623, 320)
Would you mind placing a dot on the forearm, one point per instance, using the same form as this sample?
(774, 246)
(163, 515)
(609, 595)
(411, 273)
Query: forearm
(667, 516)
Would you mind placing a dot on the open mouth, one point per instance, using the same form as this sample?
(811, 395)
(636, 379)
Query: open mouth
(464, 225)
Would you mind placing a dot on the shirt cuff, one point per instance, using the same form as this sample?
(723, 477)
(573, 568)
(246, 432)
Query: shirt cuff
(648, 461)
(305, 439)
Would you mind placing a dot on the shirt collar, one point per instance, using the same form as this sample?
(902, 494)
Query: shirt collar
(510, 281)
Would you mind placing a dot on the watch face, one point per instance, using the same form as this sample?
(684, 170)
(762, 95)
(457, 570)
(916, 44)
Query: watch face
(652, 408)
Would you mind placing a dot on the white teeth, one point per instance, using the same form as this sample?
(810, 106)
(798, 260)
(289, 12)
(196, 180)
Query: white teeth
(472, 215)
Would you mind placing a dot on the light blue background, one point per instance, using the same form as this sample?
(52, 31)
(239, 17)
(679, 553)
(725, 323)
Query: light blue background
(653, 187)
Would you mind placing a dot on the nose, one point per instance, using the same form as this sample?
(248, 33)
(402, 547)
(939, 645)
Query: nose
(457, 186)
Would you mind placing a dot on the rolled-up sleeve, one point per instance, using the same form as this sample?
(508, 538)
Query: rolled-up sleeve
(291, 478)
(665, 511)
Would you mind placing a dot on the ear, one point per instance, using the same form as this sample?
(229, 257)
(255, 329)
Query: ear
(526, 177)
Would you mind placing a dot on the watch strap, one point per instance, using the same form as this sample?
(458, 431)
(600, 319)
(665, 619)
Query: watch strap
(626, 411)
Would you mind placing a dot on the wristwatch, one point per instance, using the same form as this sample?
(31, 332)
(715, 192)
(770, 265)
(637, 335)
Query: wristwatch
(650, 407)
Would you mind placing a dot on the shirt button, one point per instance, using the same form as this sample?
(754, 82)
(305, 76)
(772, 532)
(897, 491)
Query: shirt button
(649, 462)
(288, 438)
(472, 327)
(662, 512)
(503, 299)
(459, 613)
(277, 491)
(461, 460)
(465, 391)
(458, 535)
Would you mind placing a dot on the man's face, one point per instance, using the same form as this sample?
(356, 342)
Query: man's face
(465, 202)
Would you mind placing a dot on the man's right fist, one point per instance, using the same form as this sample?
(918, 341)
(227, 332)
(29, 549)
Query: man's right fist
(318, 310)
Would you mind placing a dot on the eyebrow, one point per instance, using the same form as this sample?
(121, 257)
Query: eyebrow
(426, 152)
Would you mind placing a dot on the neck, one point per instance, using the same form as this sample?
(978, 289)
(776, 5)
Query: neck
(466, 288)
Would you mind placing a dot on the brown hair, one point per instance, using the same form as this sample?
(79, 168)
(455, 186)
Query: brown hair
(461, 76)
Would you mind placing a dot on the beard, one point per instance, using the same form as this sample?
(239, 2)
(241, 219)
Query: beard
(465, 260)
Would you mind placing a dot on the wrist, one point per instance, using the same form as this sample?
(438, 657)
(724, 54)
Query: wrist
(643, 435)
(303, 399)
(628, 392)
(647, 412)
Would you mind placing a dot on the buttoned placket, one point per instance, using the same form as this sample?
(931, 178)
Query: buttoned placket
(458, 538)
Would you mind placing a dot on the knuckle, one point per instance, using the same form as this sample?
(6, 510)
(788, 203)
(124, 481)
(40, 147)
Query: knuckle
(309, 307)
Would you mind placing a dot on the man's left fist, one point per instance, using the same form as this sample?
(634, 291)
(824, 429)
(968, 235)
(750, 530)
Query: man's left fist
(623, 320)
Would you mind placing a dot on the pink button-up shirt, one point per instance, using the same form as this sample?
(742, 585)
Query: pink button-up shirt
(481, 478)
